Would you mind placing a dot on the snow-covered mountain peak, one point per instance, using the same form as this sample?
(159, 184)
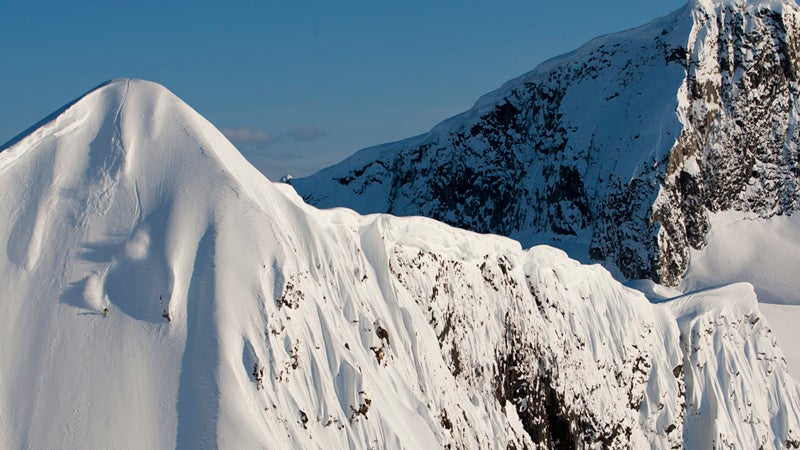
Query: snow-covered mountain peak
(711, 5)
(620, 149)
(160, 293)
(128, 112)
(130, 132)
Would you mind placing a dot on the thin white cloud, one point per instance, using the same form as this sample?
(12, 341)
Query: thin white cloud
(255, 138)
(305, 134)
(249, 137)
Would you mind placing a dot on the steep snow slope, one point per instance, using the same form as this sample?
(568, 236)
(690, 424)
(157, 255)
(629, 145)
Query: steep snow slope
(726, 397)
(783, 320)
(115, 202)
(242, 318)
(742, 247)
(622, 147)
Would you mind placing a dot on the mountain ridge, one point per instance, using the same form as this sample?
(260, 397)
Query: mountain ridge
(241, 317)
(624, 145)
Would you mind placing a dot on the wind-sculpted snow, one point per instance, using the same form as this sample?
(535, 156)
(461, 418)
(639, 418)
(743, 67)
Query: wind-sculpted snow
(240, 317)
(739, 394)
(582, 361)
(624, 145)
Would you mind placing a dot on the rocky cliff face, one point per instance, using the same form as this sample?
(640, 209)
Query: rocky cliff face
(739, 107)
(626, 143)
(241, 317)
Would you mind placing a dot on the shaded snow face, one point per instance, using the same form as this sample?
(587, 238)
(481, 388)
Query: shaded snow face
(240, 317)
(624, 144)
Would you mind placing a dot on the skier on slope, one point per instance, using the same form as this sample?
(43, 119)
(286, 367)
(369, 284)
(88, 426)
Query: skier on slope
(105, 312)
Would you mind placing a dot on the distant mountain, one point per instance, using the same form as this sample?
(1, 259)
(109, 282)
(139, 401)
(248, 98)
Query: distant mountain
(160, 293)
(626, 145)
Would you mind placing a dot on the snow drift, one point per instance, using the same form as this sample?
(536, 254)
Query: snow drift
(240, 317)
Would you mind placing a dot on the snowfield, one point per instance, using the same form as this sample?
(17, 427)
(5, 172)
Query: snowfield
(240, 317)
(764, 253)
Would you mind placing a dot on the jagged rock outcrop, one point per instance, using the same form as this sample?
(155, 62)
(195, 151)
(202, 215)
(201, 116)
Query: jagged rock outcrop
(161, 293)
(627, 143)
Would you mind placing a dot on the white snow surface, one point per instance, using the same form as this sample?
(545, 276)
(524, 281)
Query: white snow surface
(764, 253)
(739, 247)
(711, 5)
(783, 320)
(239, 317)
(731, 360)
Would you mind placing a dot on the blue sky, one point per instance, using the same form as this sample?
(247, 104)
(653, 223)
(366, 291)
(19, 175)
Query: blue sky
(297, 85)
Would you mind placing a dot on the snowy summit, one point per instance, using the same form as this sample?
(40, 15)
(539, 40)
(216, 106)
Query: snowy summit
(161, 293)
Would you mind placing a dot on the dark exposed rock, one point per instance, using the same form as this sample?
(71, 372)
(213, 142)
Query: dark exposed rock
(538, 355)
(590, 144)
